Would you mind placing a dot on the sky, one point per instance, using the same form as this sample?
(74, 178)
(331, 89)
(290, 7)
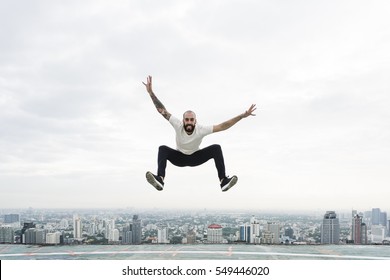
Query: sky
(79, 130)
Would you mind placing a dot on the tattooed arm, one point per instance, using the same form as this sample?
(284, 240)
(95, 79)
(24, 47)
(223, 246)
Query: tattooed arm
(233, 121)
(159, 106)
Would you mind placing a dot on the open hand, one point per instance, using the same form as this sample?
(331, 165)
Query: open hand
(250, 111)
(148, 84)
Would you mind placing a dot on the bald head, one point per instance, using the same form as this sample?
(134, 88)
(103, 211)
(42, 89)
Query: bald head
(189, 112)
(189, 121)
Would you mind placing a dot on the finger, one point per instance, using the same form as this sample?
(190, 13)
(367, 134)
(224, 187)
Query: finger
(251, 108)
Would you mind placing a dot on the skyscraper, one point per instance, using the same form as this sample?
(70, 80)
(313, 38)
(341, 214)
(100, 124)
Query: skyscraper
(137, 230)
(40, 236)
(127, 237)
(359, 230)
(271, 235)
(383, 219)
(26, 226)
(289, 232)
(245, 233)
(109, 230)
(364, 234)
(162, 235)
(214, 233)
(254, 231)
(114, 235)
(379, 217)
(53, 238)
(388, 228)
(6, 234)
(330, 228)
(375, 216)
(378, 234)
(30, 236)
(76, 227)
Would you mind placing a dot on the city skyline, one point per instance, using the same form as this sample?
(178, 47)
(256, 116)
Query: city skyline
(79, 130)
(294, 211)
(11, 213)
(125, 227)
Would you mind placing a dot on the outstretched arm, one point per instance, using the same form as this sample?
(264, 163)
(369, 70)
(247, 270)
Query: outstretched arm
(159, 106)
(233, 121)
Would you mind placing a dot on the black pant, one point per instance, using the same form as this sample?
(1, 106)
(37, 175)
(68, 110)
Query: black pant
(197, 158)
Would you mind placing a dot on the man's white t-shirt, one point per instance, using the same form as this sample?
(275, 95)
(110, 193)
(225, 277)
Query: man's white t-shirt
(188, 144)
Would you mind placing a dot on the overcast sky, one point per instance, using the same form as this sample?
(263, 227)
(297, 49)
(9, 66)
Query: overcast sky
(78, 129)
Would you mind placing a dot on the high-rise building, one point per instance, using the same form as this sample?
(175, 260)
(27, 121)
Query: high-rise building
(367, 218)
(267, 237)
(6, 234)
(250, 233)
(275, 229)
(364, 234)
(109, 229)
(30, 236)
(271, 234)
(77, 233)
(92, 229)
(127, 234)
(378, 234)
(114, 235)
(383, 219)
(214, 233)
(245, 233)
(330, 228)
(388, 228)
(289, 232)
(356, 229)
(359, 230)
(379, 218)
(162, 235)
(254, 231)
(26, 226)
(53, 238)
(375, 216)
(40, 236)
(137, 230)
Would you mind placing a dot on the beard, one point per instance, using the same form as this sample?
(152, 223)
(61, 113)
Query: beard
(189, 128)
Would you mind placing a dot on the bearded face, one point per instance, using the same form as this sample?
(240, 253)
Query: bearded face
(189, 128)
(189, 122)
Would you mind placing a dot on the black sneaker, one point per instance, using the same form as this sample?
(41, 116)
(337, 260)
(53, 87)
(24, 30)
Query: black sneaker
(155, 181)
(227, 183)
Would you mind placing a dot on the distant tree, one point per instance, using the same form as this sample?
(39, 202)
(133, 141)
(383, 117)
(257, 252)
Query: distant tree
(176, 239)
(226, 232)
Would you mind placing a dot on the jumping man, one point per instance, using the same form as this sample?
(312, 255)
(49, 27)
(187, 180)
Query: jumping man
(189, 136)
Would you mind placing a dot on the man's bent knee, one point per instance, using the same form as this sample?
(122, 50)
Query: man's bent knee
(216, 147)
(163, 147)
